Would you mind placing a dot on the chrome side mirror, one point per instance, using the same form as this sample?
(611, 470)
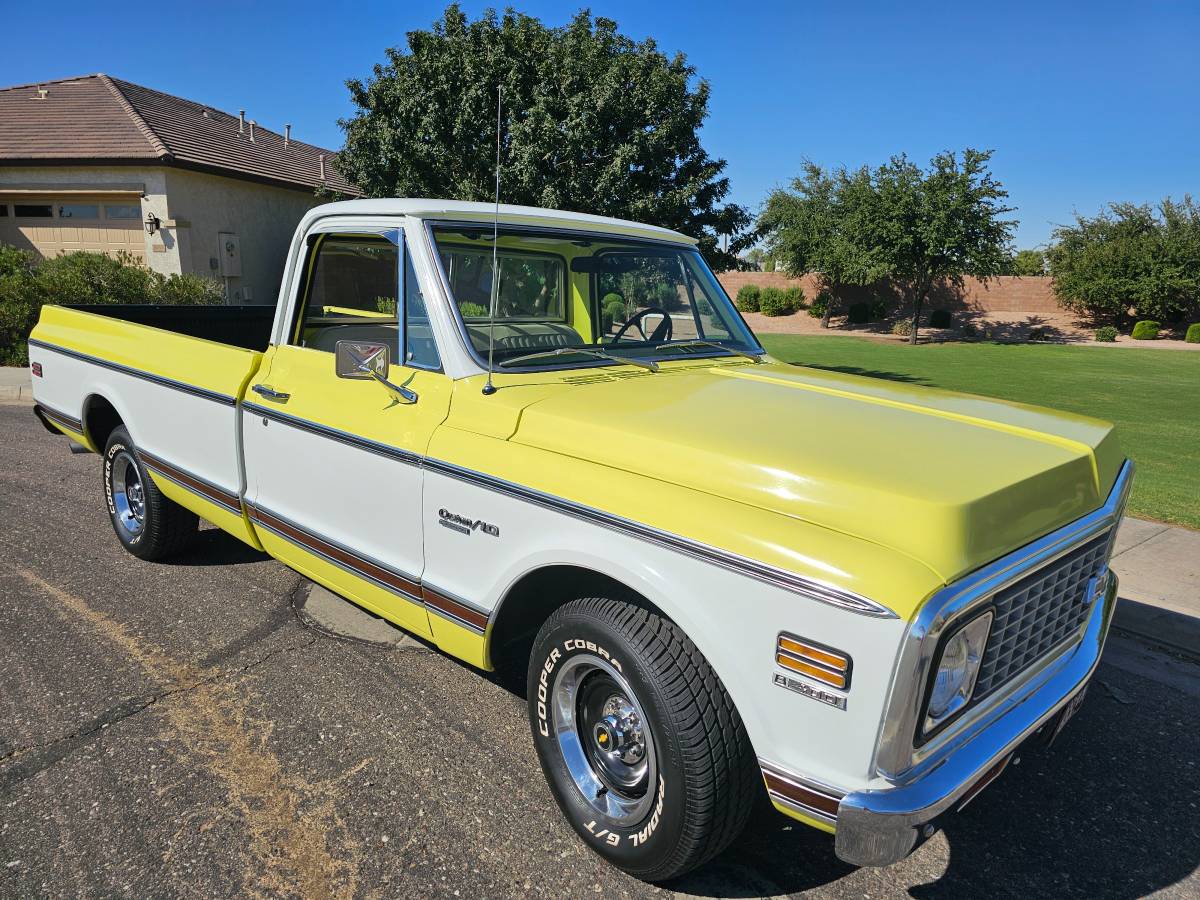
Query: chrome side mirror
(357, 360)
(354, 359)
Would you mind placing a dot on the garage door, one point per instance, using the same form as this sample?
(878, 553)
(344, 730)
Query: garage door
(51, 226)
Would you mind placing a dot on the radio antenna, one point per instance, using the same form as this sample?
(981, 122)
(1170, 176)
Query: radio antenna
(489, 388)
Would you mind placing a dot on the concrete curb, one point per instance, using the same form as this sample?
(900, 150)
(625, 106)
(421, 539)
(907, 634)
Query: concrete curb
(15, 385)
(1166, 627)
(22, 394)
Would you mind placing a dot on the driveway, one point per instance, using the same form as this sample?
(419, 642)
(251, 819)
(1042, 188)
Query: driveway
(185, 730)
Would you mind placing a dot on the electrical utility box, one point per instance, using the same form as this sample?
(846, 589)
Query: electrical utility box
(230, 254)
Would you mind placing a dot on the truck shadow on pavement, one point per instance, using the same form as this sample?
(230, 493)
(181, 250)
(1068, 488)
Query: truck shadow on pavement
(213, 547)
(1111, 810)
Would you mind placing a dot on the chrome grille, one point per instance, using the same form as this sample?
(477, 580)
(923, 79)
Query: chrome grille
(1039, 612)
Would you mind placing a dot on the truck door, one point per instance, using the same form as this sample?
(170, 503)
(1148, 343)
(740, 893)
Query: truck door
(332, 464)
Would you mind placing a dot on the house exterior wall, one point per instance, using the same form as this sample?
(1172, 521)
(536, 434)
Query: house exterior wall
(161, 252)
(193, 208)
(263, 218)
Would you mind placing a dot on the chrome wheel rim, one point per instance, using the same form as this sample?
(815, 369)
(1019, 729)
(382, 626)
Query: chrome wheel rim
(604, 739)
(128, 494)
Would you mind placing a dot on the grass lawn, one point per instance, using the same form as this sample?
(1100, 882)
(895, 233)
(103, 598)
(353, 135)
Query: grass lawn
(1153, 396)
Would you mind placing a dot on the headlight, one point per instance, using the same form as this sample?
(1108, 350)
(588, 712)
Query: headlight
(957, 669)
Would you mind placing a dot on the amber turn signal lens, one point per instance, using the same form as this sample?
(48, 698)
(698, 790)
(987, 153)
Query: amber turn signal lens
(823, 664)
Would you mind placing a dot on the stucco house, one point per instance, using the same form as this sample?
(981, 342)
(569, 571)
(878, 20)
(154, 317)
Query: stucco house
(97, 163)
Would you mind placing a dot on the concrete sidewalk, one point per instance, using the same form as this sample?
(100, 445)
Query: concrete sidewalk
(1159, 568)
(14, 384)
(1159, 565)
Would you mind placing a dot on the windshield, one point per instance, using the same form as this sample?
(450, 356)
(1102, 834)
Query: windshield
(564, 291)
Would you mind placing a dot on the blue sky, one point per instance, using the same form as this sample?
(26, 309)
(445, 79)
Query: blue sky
(1084, 103)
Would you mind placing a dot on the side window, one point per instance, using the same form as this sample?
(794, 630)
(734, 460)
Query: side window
(350, 294)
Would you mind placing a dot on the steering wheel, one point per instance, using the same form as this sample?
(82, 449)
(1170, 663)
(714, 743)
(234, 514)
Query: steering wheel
(662, 332)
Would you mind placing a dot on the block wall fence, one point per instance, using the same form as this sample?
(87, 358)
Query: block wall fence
(1007, 293)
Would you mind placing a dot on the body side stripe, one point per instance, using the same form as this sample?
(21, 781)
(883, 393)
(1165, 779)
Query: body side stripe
(771, 575)
(60, 417)
(776, 577)
(704, 552)
(195, 483)
(342, 437)
(385, 576)
(801, 793)
(458, 610)
(216, 397)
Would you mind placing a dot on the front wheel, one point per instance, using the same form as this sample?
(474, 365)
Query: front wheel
(148, 524)
(641, 745)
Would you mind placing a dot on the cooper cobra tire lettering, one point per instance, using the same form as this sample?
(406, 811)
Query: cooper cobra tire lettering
(543, 687)
(113, 450)
(705, 778)
(644, 835)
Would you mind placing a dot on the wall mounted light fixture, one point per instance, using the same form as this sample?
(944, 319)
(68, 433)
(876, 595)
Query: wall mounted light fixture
(152, 223)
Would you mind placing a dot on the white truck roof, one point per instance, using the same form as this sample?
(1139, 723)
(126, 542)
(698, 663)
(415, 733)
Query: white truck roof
(461, 210)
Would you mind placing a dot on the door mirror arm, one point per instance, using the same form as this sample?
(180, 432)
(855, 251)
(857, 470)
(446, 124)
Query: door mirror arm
(357, 360)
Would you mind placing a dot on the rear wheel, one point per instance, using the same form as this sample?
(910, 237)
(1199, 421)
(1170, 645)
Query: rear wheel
(148, 524)
(641, 745)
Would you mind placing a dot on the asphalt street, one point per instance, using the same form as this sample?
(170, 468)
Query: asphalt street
(183, 730)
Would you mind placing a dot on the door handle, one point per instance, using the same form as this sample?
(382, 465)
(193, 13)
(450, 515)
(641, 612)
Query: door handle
(264, 390)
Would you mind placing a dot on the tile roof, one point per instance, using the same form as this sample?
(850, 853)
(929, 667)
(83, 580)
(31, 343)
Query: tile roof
(96, 117)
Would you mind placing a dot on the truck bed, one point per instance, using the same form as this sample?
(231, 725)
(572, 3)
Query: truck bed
(174, 375)
(248, 327)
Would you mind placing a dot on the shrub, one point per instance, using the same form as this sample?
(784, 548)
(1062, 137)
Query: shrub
(878, 309)
(96, 278)
(858, 314)
(774, 302)
(1039, 333)
(471, 310)
(612, 309)
(1193, 334)
(195, 290)
(969, 331)
(902, 327)
(819, 305)
(747, 298)
(1146, 330)
(27, 284)
(1106, 335)
(795, 296)
(940, 318)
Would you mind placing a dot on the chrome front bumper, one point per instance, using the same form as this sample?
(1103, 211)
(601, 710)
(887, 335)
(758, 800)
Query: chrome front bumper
(880, 827)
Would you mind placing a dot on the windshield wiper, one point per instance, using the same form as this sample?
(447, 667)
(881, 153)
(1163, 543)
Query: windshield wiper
(586, 351)
(757, 357)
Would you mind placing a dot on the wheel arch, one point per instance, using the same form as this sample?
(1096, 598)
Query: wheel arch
(100, 418)
(533, 597)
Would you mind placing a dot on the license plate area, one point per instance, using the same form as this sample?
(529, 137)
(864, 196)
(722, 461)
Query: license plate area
(1064, 716)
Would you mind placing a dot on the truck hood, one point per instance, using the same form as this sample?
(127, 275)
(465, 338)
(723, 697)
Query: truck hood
(951, 480)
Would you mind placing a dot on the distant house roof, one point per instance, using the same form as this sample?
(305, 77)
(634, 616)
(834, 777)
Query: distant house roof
(97, 118)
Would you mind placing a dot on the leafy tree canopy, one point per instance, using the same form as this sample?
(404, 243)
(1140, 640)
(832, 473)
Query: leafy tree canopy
(1029, 262)
(592, 121)
(915, 226)
(1130, 261)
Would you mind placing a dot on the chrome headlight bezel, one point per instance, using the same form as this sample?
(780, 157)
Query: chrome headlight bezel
(970, 638)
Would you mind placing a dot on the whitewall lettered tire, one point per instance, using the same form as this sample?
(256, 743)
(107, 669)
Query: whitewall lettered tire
(640, 743)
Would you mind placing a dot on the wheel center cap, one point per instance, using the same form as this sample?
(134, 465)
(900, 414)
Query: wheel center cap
(605, 737)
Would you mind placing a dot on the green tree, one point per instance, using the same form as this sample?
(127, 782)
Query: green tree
(1130, 262)
(1029, 262)
(940, 224)
(821, 225)
(592, 121)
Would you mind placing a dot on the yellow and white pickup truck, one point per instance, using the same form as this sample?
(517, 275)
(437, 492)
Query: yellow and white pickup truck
(722, 574)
